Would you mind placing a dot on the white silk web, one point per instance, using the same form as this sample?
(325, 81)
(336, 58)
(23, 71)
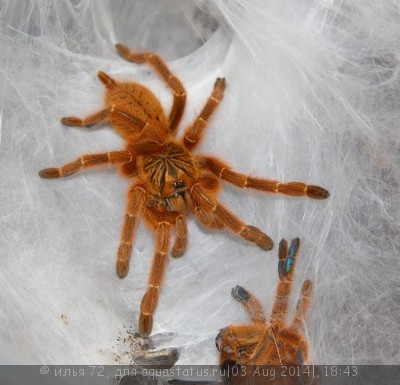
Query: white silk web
(313, 94)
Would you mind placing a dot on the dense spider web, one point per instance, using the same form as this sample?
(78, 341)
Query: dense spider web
(313, 94)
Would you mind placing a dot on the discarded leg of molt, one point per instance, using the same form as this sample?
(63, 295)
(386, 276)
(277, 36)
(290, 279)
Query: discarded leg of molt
(163, 358)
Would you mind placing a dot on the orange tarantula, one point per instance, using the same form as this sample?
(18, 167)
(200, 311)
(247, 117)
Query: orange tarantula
(273, 342)
(170, 181)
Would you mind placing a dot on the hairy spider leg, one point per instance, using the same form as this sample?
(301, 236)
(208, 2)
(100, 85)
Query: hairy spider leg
(136, 201)
(207, 201)
(207, 219)
(150, 298)
(88, 121)
(194, 133)
(180, 243)
(250, 303)
(86, 161)
(162, 69)
(266, 340)
(97, 117)
(302, 306)
(286, 266)
(224, 172)
(294, 335)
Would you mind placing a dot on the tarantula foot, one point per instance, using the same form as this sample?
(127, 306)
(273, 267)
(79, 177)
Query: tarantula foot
(72, 121)
(177, 252)
(306, 289)
(49, 173)
(265, 242)
(294, 247)
(219, 339)
(240, 294)
(317, 192)
(133, 57)
(145, 324)
(122, 269)
(253, 234)
(220, 82)
(124, 253)
(122, 50)
(287, 257)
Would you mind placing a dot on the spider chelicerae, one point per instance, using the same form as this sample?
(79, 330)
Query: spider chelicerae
(170, 181)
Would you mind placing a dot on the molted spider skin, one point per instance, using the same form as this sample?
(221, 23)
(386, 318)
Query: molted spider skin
(169, 180)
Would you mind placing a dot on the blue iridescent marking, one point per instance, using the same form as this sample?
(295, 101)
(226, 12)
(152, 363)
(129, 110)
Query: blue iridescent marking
(289, 261)
(285, 266)
(294, 246)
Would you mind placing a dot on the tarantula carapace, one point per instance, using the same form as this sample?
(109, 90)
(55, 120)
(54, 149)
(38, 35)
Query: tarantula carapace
(270, 342)
(170, 181)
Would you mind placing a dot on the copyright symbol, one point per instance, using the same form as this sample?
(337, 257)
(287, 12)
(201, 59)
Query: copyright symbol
(44, 370)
